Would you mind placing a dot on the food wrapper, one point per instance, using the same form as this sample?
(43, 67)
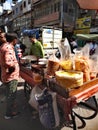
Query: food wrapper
(93, 66)
(66, 62)
(85, 51)
(82, 64)
(53, 65)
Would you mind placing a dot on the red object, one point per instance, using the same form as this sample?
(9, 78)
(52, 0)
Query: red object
(88, 4)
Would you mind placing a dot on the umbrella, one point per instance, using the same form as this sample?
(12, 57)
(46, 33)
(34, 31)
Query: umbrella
(87, 36)
(88, 4)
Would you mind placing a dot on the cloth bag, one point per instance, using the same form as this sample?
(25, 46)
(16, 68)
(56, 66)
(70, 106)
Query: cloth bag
(32, 100)
(48, 110)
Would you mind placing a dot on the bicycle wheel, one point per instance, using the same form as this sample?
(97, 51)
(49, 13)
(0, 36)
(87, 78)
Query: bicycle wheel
(87, 109)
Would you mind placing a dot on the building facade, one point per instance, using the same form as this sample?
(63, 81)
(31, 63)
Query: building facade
(64, 14)
(56, 13)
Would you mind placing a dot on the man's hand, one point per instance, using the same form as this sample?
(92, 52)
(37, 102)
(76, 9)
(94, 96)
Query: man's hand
(11, 69)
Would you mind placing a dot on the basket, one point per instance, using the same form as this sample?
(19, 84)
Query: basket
(69, 79)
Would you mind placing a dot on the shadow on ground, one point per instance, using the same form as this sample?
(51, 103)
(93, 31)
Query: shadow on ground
(25, 121)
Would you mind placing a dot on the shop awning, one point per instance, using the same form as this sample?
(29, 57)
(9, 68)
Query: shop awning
(30, 32)
(88, 4)
(87, 36)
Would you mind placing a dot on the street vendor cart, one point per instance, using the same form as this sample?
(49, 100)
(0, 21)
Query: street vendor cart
(78, 105)
(75, 89)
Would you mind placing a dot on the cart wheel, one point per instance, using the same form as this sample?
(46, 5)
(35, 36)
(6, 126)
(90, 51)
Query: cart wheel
(78, 121)
(27, 90)
(87, 109)
(75, 123)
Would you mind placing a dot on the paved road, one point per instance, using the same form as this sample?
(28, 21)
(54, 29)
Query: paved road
(25, 121)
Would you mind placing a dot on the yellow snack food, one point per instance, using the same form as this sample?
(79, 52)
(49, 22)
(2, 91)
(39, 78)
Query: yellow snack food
(82, 64)
(66, 64)
(69, 79)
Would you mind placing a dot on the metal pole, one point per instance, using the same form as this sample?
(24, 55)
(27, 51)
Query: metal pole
(62, 17)
(32, 13)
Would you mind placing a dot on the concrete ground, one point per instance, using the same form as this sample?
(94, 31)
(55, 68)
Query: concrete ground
(26, 120)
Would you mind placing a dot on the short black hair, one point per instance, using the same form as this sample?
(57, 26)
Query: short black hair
(11, 36)
(32, 36)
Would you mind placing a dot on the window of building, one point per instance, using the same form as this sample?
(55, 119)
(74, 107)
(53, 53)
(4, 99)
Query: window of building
(13, 12)
(68, 8)
(24, 4)
(17, 10)
(15, 23)
(46, 9)
(29, 1)
(65, 7)
(56, 6)
(21, 8)
(71, 9)
(51, 8)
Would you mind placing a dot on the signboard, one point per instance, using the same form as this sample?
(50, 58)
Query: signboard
(82, 31)
(51, 37)
(83, 23)
(94, 30)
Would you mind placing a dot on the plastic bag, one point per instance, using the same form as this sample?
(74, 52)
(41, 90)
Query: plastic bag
(66, 60)
(86, 51)
(32, 100)
(65, 49)
(48, 110)
(93, 66)
(53, 65)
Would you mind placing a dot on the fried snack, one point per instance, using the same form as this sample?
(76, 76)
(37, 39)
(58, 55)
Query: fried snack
(52, 67)
(66, 64)
(82, 64)
(37, 78)
(69, 79)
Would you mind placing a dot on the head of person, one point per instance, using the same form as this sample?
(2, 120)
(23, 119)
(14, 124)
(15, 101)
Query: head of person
(1, 30)
(12, 38)
(32, 38)
(2, 38)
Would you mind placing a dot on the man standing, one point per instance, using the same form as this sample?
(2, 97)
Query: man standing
(9, 74)
(36, 47)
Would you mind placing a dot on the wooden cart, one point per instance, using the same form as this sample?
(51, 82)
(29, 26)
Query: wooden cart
(79, 106)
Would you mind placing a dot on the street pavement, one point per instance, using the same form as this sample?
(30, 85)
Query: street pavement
(26, 120)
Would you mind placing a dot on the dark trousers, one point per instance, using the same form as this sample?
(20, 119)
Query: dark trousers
(0, 73)
(11, 89)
